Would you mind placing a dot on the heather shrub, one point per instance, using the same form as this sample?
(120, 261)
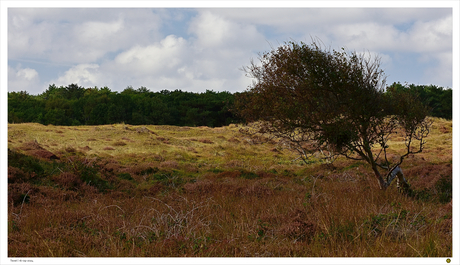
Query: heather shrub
(68, 180)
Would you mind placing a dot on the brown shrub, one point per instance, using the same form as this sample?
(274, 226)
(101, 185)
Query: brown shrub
(169, 164)
(111, 166)
(45, 154)
(275, 150)
(86, 148)
(119, 143)
(162, 139)
(190, 168)
(108, 148)
(47, 194)
(68, 180)
(443, 129)
(16, 175)
(426, 176)
(256, 190)
(299, 227)
(33, 145)
(201, 187)
(88, 191)
(152, 190)
(155, 189)
(158, 158)
(143, 130)
(263, 174)
(191, 149)
(91, 140)
(70, 149)
(124, 185)
(205, 141)
(234, 163)
(17, 193)
(229, 174)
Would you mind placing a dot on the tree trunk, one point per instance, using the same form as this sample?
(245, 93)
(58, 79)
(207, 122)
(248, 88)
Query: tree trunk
(402, 184)
(382, 183)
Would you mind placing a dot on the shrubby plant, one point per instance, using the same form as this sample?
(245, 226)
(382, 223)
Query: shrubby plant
(317, 99)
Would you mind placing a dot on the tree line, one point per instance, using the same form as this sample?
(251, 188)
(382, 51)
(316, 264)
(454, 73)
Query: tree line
(75, 105)
(437, 99)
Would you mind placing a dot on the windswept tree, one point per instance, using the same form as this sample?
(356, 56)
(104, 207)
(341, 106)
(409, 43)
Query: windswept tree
(331, 101)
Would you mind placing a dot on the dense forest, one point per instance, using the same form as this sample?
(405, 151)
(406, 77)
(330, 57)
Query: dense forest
(75, 105)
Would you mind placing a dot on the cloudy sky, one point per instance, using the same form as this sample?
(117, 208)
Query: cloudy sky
(195, 49)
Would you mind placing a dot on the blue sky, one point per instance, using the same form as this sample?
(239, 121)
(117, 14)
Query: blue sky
(195, 49)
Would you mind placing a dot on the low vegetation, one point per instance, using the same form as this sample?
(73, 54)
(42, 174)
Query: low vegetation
(150, 191)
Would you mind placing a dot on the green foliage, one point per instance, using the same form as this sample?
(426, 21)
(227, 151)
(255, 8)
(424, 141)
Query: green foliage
(26, 163)
(248, 174)
(91, 176)
(316, 99)
(126, 176)
(74, 105)
(168, 179)
(444, 189)
(40, 171)
(438, 99)
(441, 192)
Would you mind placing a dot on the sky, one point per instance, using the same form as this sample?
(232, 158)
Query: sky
(198, 49)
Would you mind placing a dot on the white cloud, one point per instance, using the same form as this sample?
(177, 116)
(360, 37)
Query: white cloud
(432, 36)
(86, 75)
(78, 35)
(210, 59)
(155, 59)
(440, 73)
(23, 79)
(359, 36)
(214, 31)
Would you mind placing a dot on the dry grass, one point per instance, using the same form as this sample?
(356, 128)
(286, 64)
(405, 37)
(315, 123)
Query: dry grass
(203, 192)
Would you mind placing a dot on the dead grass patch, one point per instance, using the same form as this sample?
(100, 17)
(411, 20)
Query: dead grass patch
(86, 148)
(36, 150)
(169, 164)
(44, 154)
(205, 141)
(119, 143)
(144, 130)
(70, 149)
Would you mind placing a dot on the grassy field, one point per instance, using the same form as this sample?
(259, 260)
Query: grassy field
(164, 191)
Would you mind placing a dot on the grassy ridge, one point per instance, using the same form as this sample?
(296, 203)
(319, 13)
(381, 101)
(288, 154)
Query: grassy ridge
(123, 191)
